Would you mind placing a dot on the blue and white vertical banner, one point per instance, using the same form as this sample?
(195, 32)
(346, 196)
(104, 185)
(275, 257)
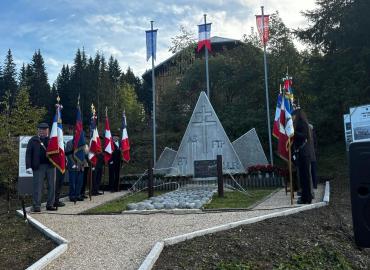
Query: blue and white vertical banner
(151, 44)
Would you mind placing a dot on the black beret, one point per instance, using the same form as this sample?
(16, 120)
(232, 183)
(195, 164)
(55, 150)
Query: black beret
(43, 126)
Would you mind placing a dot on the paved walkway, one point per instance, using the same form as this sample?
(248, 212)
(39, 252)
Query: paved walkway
(123, 241)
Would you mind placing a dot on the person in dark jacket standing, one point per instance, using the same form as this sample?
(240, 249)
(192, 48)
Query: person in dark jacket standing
(313, 150)
(114, 167)
(38, 163)
(97, 175)
(75, 170)
(301, 146)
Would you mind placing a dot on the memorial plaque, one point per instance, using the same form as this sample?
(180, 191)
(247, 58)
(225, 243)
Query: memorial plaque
(204, 139)
(205, 168)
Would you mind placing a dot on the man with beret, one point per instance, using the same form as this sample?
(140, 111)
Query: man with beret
(38, 163)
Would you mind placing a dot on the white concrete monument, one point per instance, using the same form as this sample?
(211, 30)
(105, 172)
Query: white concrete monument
(249, 149)
(164, 163)
(204, 139)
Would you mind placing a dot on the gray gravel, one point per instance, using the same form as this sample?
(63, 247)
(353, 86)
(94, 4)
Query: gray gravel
(190, 197)
(123, 241)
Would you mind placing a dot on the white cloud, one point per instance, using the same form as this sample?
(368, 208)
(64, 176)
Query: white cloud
(53, 62)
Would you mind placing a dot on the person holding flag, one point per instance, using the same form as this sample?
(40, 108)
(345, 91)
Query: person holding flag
(95, 155)
(39, 165)
(301, 148)
(76, 151)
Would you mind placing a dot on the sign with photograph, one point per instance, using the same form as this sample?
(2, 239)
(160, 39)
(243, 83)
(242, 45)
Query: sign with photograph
(360, 123)
(23, 141)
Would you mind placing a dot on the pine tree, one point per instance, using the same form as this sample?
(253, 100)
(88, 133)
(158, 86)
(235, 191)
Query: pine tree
(22, 79)
(9, 78)
(2, 91)
(40, 93)
(63, 88)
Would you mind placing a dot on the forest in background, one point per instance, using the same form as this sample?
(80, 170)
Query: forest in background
(329, 76)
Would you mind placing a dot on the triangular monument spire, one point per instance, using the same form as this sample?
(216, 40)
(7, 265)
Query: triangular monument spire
(204, 139)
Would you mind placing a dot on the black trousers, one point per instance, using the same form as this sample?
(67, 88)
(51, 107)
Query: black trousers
(114, 170)
(304, 176)
(84, 182)
(97, 175)
(58, 185)
(314, 174)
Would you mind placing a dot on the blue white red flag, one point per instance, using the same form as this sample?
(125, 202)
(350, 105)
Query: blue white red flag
(275, 130)
(79, 142)
(108, 142)
(151, 44)
(55, 149)
(204, 36)
(125, 144)
(95, 144)
(286, 130)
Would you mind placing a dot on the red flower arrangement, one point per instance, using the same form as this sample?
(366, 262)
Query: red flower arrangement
(253, 170)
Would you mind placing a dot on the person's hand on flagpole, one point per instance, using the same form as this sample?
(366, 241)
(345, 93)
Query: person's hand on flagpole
(29, 171)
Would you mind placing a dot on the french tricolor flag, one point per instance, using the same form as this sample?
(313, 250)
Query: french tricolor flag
(125, 144)
(276, 129)
(95, 144)
(204, 36)
(108, 142)
(55, 149)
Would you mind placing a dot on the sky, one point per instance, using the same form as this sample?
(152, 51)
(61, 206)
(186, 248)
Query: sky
(59, 27)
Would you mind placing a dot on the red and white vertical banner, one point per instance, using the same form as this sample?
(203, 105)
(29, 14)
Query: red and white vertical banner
(264, 33)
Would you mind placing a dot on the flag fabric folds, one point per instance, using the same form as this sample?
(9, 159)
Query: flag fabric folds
(95, 144)
(286, 129)
(151, 44)
(125, 144)
(108, 142)
(275, 129)
(55, 149)
(264, 33)
(204, 36)
(79, 142)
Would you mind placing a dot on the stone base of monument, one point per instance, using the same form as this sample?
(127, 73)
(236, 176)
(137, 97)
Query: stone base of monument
(188, 197)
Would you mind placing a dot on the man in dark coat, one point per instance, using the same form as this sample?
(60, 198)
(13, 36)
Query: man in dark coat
(97, 175)
(301, 146)
(38, 163)
(114, 167)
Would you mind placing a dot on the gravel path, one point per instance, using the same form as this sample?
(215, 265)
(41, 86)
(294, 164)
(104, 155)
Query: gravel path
(123, 241)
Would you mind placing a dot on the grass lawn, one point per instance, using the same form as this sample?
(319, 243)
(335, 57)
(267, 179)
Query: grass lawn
(117, 206)
(236, 199)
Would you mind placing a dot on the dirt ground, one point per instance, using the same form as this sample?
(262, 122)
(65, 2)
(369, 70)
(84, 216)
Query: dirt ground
(316, 239)
(20, 244)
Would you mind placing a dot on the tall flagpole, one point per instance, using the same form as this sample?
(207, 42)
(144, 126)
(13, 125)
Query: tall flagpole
(266, 86)
(153, 92)
(206, 56)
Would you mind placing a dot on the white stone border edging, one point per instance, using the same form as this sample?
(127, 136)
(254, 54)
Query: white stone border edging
(56, 252)
(152, 257)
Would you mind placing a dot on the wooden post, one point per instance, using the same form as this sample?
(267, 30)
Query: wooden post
(220, 179)
(290, 173)
(150, 180)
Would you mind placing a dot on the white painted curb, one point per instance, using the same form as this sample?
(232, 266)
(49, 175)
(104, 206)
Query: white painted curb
(56, 252)
(152, 256)
(158, 247)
